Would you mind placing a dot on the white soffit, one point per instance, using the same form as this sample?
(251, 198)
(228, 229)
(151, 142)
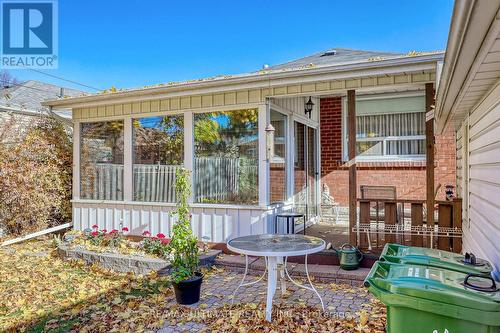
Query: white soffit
(472, 61)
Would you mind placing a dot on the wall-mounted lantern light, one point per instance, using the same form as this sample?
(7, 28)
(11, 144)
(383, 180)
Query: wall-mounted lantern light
(269, 142)
(309, 107)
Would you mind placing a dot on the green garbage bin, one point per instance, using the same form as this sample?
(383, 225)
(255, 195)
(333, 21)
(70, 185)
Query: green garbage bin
(434, 300)
(436, 258)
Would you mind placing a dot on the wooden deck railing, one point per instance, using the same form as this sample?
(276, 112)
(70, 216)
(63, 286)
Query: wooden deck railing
(405, 222)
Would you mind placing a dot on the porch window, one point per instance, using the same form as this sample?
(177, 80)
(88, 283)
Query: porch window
(101, 160)
(390, 127)
(226, 157)
(277, 168)
(158, 151)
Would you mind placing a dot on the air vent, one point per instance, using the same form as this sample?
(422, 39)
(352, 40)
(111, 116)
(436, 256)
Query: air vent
(329, 53)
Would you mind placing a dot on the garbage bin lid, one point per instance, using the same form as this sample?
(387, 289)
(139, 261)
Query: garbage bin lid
(438, 258)
(436, 284)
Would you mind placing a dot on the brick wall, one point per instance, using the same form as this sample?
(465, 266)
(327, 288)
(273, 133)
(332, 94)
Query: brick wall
(408, 177)
(277, 182)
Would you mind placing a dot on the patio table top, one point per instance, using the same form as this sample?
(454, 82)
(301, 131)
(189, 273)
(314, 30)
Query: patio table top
(273, 245)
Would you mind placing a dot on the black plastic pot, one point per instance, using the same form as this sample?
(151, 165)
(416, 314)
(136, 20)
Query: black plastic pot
(188, 291)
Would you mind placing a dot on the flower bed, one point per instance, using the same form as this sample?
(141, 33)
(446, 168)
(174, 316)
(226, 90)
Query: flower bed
(113, 250)
(127, 263)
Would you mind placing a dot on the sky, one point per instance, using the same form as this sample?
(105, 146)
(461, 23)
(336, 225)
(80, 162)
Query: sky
(132, 43)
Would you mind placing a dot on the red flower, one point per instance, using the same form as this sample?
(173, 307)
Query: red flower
(104, 230)
(165, 241)
(160, 235)
(146, 233)
(95, 226)
(154, 238)
(114, 231)
(94, 233)
(125, 229)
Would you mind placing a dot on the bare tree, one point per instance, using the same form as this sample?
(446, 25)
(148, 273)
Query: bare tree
(7, 79)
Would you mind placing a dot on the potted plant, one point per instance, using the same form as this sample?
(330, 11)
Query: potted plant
(186, 278)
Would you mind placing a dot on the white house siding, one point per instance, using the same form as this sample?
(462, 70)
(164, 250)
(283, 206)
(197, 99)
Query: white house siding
(211, 224)
(462, 157)
(460, 169)
(482, 233)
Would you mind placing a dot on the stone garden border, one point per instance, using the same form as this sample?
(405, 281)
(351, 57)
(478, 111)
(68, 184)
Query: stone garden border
(128, 263)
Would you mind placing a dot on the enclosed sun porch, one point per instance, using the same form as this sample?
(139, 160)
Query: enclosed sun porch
(314, 141)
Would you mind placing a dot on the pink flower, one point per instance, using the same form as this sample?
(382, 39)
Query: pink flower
(154, 238)
(165, 241)
(104, 230)
(95, 226)
(146, 233)
(114, 231)
(94, 233)
(160, 235)
(125, 229)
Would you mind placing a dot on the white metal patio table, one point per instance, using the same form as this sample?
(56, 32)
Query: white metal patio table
(276, 249)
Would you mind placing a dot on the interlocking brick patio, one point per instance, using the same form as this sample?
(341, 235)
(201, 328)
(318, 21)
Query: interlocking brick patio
(217, 289)
(323, 273)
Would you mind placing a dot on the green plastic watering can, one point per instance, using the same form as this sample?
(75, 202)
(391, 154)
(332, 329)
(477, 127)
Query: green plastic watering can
(349, 256)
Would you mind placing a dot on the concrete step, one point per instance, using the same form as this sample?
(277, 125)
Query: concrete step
(320, 273)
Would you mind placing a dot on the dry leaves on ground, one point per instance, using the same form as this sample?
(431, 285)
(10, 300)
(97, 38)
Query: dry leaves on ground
(40, 292)
(243, 318)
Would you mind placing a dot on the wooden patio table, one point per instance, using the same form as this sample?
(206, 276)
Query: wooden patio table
(276, 249)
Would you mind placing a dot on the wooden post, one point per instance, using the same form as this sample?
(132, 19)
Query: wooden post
(429, 138)
(351, 125)
(390, 215)
(444, 220)
(416, 220)
(364, 217)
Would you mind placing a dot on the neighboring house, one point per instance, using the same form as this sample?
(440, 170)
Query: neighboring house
(468, 102)
(216, 127)
(21, 102)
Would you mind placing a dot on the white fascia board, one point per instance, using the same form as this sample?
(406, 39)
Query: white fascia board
(473, 30)
(252, 81)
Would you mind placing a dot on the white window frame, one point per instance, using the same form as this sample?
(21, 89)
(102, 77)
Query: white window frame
(381, 158)
(188, 154)
(127, 157)
(129, 187)
(293, 117)
(288, 161)
(262, 167)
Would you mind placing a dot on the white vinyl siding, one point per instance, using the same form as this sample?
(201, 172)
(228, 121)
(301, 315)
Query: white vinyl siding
(482, 233)
(214, 224)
